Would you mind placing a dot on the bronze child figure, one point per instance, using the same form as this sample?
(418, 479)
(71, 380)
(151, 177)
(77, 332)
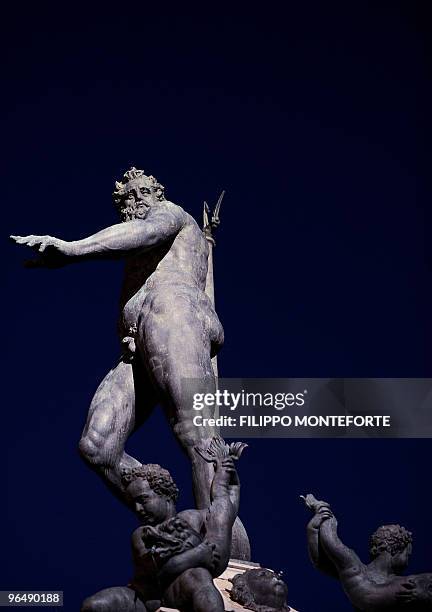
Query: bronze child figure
(378, 585)
(177, 555)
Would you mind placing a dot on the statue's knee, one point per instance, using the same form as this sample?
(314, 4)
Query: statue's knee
(86, 449)
(91, 448)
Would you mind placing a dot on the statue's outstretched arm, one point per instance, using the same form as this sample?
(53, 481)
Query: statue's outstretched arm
(327, 552)
(226, 483)
(113, 242)
(318, 557)
(342, 556)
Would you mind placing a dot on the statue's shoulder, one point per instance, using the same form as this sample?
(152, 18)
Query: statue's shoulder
(165, 210)
(174, 209)
(136, 538)
(180, 213)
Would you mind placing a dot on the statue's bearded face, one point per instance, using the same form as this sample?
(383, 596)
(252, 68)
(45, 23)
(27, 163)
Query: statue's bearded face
(267, 588)
(150, 507)
(137, 198)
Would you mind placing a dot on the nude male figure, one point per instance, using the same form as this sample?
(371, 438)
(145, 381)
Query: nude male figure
(168, 327)
(377, 585)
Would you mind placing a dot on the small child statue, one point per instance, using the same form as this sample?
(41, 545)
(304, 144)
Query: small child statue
(177, 555)
(370, 587)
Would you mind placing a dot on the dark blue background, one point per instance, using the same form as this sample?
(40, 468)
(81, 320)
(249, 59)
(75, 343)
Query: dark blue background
(313, 118)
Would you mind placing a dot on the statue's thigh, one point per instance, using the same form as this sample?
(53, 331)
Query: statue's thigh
(115, 599)
(178, 346)
(182, 590)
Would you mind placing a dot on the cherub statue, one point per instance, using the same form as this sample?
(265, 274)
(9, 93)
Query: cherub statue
(260, 590)
(177, 555)
(378, 585)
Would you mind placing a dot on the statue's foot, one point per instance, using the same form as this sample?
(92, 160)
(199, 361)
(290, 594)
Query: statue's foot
(218, 449)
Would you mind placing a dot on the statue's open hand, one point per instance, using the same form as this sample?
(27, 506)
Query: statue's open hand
(53, 251)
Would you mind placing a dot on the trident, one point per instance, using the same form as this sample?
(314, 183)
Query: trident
(209, 227)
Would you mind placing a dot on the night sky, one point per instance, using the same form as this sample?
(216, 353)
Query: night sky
(314, 118)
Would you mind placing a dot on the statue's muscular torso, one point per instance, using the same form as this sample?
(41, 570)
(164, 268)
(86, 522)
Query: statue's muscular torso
(145, 567)
(169, 277)
(367, 593)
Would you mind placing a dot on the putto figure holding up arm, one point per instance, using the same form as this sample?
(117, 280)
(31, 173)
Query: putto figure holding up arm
(378, 585)
(177, 555)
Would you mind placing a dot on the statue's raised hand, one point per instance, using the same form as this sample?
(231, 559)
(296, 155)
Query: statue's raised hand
(317, 506)
(53, 251)
(318, 519)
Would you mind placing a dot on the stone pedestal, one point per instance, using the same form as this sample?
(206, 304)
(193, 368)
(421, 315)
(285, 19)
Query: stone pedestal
(224, 585)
